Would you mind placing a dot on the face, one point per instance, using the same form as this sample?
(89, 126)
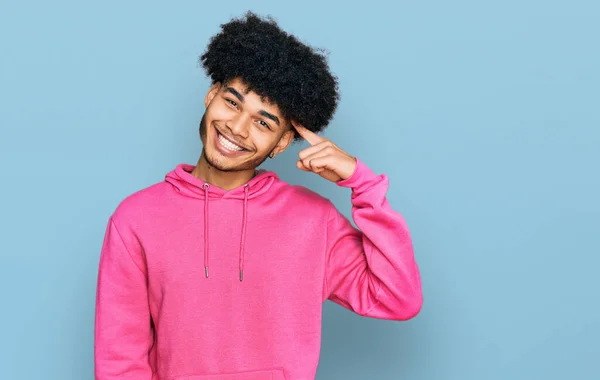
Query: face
(239, 130)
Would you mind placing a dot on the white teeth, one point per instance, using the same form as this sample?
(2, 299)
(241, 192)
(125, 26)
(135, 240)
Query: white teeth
(229, 145)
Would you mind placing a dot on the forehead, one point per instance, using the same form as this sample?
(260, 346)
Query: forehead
(250, 97)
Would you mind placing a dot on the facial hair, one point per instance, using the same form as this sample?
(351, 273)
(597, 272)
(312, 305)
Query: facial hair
(218, 164)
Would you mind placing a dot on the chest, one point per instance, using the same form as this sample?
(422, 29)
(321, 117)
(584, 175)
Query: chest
(282, 253)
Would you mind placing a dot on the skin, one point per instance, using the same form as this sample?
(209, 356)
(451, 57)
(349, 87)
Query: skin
(259, 127)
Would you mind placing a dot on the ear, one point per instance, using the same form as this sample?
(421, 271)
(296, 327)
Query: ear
(284, 141)
(214, 89)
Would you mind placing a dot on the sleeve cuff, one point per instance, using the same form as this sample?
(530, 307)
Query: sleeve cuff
(362, 174)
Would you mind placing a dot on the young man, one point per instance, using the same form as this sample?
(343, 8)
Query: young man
(220, 271)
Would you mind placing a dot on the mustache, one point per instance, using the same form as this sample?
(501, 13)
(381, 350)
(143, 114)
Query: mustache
(203, 129)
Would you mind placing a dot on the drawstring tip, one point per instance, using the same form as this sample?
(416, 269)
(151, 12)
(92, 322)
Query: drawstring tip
(241, 275)
(206, 270)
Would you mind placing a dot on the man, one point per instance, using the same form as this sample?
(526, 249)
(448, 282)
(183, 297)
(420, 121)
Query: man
(220, 271)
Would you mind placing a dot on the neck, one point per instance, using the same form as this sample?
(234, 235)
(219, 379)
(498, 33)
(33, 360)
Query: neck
(224, 180)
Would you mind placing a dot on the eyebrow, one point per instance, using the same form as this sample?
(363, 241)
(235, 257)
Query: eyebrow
(269, 116)
(264, 113)
(235, 93)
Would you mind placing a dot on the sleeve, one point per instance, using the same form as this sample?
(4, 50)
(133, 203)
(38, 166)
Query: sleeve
(371, 270)
(123, 334)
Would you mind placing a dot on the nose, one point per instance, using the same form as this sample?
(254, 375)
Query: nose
(239, 125)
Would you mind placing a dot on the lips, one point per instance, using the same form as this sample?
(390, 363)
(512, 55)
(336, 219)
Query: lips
(226, 147)
(233, 143)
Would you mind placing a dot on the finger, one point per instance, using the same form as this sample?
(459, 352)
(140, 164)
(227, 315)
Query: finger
(309, 136)
(314, 149)
(319, 164)
(301, 166)
(312, 162)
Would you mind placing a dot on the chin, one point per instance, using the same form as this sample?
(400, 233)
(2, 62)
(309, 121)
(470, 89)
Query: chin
(227, 164)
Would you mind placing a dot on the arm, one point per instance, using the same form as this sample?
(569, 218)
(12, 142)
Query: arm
(123, 334)
(371, 270)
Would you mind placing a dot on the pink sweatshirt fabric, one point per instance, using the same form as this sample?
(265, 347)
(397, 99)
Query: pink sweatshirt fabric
(273, 253)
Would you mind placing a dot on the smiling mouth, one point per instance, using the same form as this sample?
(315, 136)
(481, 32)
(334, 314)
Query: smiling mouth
(228, 144)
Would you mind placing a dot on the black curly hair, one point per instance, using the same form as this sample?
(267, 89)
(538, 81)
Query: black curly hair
(277, 67)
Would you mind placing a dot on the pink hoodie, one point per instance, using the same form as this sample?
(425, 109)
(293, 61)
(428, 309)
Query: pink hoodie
(199, 283)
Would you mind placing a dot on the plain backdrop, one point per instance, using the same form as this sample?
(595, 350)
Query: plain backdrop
(484, 114)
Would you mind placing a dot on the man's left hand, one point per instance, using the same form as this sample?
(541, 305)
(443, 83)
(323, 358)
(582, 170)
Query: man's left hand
(323, 157)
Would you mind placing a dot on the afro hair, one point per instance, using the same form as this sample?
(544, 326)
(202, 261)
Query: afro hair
(277, 67)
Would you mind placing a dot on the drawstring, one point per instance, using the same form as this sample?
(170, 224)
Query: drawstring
(205, 187)
(243, 242)
(244, 221)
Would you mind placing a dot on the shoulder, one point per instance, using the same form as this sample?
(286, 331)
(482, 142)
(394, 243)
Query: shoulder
(301, 196)
(141, 203)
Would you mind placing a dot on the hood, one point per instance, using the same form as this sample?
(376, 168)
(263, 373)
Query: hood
(188, 185)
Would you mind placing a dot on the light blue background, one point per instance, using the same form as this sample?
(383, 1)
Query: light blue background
(485, 116)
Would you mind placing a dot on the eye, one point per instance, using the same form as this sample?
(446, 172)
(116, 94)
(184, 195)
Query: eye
(264, 124)
(233, 103)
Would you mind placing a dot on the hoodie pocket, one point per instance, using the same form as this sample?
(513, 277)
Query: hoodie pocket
(267, 374)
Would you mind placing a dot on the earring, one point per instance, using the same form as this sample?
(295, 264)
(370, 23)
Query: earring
(271, 155)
